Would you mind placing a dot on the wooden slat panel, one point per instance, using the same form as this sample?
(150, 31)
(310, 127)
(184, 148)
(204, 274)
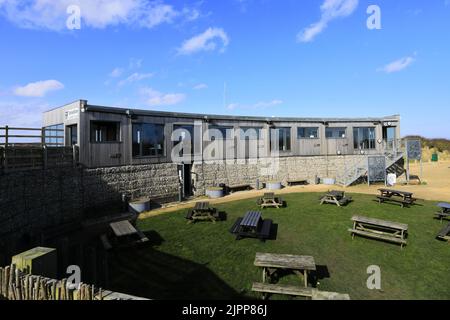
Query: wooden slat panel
(381, 223)
(286, 261)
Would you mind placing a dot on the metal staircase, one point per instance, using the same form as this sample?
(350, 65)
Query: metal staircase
(350, 175)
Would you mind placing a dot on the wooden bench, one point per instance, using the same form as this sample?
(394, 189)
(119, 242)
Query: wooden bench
(402, 202)
(296, 182)
(239, 187)
(314, 294)
(379, 229)
(290, 290)
(445, 233)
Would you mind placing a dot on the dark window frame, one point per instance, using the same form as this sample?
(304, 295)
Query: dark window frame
(336, 129)
(141, 154)
(93, 137)
(371, 142)
(305, 137)
(287, 139)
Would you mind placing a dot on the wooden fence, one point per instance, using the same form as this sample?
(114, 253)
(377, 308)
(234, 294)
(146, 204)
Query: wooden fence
(16, 285)
(32, 148)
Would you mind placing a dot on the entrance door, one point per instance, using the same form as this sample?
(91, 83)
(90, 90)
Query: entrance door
(389, 138)
(72, 135)
(184, 172)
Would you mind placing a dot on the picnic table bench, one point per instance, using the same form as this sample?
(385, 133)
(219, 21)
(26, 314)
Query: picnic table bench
(379, 229)
(239, 187)
(300, 265)
(270, 200)
(444, 234)
(295, 182)
(125, 230)
(401, 197)
(202, 211)
(312, 293)
(445, 211)
(252, 226)
(335, 197)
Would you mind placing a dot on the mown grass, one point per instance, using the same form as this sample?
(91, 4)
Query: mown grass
(204, 261)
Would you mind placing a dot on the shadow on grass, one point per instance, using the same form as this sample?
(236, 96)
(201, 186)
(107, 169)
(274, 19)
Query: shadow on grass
(146, 272)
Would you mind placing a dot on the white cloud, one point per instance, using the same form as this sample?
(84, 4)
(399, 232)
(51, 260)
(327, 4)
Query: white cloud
(259, 105)
(155, 98)
(38, 89)
(331, 9)
(27, 114)
(117, 72)
(200, 86)
(206, 41)
(398, 65)
(135, 77)
(51, 14)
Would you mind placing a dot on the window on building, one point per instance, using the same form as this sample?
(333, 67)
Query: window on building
(335, 133)
(250, 133)
(54, 135)
(217, 132)
(364, 138)
(148, 140)
(105, 131)
(284, 138)
(308, 133)
(186, 131)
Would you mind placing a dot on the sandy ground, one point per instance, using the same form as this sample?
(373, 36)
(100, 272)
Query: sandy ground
(436, 187)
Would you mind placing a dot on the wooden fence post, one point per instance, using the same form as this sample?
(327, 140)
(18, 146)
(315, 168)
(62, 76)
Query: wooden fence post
(6, 148)
(44, 155)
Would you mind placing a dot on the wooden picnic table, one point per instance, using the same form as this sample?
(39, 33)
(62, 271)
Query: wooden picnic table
(271, 263)
(125, 230)
(335, 197)
(379, 229)
(403, 197)
(270, 200)
(252, 226)
(202, 211)
(445, 211)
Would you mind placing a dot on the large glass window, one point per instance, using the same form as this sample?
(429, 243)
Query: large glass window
(219, 132)
(186, 131)
(308, 133)
(54, 135)
(250, 133)
(364, 138)
(284, 138)
(105, 131)
(148, 139)
(335, 133)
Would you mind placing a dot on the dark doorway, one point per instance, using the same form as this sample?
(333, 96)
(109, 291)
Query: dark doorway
(184, 172)
(72, 135)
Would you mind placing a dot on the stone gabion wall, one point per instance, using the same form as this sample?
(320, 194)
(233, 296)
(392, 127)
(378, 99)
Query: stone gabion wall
(33, 200)
(238, 172)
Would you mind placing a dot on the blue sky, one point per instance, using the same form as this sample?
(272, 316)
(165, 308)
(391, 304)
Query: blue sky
(246, 57)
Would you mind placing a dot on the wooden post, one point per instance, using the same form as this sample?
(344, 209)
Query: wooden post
(44, 156)
(6, 148)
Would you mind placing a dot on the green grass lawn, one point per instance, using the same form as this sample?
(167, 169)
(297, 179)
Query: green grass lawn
(204, 261)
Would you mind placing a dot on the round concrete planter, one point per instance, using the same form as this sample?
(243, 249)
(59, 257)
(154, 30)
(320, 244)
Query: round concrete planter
(273, 185)
(328, 181)
(214, 192)
(140, 205)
